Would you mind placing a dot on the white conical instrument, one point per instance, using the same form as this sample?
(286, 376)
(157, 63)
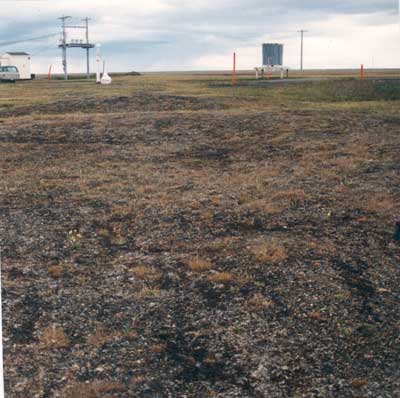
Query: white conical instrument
(105, 79)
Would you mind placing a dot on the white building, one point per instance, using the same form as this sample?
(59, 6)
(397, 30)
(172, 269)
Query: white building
(19, 59)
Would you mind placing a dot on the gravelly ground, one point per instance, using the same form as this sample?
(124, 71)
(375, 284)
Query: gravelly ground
(160, 245)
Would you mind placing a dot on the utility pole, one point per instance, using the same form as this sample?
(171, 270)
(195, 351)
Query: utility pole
(86, 20)
(302, 47)
(234, 80)
(64, 45)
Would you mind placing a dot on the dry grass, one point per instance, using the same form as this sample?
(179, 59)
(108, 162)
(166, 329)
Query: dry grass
(322, 247)
(317, 315)
(347, 164)
(131, 335)
(269, 252)
(158, 348)
(227, 244)
(147, 292)
(359, 383)
(199, 264)
(264, 206)
(293, 197)
(56, 271)
(96, 389)
(101, 336)
(54, 337)
(146, 273)
(221, 277)
(258, 302)
(137, 380)
(378, 203)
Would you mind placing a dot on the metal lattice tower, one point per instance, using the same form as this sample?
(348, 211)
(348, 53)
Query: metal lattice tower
(65, 44)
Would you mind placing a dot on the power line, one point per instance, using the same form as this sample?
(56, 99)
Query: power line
(43, 49)
(8, 43)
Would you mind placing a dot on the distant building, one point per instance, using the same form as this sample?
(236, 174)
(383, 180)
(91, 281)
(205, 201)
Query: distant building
(272, 54)
(19, 59)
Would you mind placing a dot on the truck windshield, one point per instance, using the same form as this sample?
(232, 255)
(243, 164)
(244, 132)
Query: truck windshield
(9, 69)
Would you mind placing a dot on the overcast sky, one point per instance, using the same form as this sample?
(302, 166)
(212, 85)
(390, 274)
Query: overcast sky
(150, 35)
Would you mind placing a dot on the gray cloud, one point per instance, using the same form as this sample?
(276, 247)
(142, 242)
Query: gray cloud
(175, 33)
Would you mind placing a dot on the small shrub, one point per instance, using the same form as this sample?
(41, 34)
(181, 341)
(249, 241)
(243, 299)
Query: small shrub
(265, 207)
(269, 252)
(198, 264)
(359, 383)
(55, 337)
(147, 292)
(221, 277)
(293, 197)
(259, 302)
(131, 336)
(100, 337)
(158, 348)
(146, 273)
(96, 389)
(317, 315)
(56, 271)
(137, 380)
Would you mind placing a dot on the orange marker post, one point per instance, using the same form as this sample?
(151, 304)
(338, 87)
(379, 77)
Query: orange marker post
(49, 74)
(362, 75)
(234, 80)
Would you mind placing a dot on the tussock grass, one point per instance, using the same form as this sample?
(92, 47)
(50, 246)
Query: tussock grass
(101, 336)
(221, 277)
(54, 337)
(56, 271)
(198, 264)
(259, 302)
(96, 389)
(146, 273)
(269, 252)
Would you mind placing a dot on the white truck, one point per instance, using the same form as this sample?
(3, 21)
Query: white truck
(9, 74)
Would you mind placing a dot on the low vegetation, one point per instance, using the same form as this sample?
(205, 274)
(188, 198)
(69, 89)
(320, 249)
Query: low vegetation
(173, 236)
(269, 252)
(198, 264)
